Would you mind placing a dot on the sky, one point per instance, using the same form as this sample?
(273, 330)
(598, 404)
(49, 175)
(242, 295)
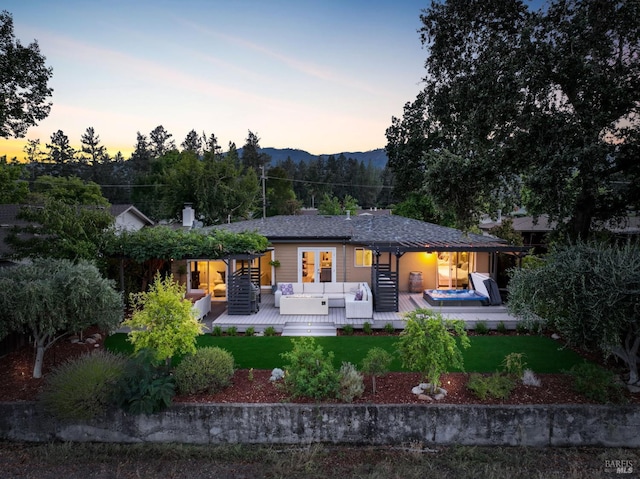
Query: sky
(321, 76)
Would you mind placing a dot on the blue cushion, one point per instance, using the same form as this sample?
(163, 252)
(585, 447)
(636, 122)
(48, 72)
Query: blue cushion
(286, 288)
(358, 295)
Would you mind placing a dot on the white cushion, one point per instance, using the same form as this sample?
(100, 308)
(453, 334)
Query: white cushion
(314, 288)
(333, 288)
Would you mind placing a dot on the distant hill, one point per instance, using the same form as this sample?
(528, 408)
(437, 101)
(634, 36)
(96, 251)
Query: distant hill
(378, 157)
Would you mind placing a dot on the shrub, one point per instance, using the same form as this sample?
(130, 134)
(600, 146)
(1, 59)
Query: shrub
(208, 370)
(351, 383)
(309, 373)
(376, 363)
(269, 331)
(146, 386)
(521, 328)
(389, 328)
(366, 328)
(250, 331)
(496, 385)
(348, 329)
(232, 331)
(216, 331)
(596, 383)
(501, 328)
(514, 364)
(481, 328)
(82, 388)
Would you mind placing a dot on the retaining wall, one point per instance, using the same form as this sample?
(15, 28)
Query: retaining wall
(548, 425)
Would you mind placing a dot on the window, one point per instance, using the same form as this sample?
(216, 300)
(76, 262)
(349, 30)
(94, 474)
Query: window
(363, 257)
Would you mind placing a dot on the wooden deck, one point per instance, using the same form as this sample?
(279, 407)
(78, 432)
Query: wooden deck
(269, 315)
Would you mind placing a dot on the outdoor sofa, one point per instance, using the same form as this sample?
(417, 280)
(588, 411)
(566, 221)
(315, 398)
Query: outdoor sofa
(355, 297)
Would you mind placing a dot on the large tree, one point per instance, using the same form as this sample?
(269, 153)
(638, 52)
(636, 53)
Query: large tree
(60, 150)
(96, 153)
(160, 141)
(24, 78)
(252, 157)
(533, 108)
(49, 299)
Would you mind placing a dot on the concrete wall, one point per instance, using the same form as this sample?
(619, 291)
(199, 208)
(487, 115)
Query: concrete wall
(569, 425)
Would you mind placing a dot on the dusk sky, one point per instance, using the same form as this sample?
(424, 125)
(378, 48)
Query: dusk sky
(322, 76)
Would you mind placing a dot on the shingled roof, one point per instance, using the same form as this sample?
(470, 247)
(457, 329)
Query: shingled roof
(382, 233)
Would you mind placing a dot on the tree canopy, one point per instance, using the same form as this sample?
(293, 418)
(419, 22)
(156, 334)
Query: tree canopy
(50, 298)
(67, 218)
(24, 78)
(538, 109)
(590, 294)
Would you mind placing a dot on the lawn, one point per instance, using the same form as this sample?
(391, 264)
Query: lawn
(542, 355)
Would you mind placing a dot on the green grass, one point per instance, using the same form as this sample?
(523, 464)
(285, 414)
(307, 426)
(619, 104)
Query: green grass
(486, 354)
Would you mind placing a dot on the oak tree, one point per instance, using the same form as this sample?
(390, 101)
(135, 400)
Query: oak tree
(533, 108)
(24, 77)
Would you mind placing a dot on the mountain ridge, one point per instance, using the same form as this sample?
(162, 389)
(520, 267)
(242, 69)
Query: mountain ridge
(378, 156)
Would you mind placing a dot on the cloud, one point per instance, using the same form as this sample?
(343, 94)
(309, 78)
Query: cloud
(307, 68)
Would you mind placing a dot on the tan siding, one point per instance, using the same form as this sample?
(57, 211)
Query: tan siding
(287, 254)
(426, 263)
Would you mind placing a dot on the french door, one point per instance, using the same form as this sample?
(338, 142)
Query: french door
(316, 265)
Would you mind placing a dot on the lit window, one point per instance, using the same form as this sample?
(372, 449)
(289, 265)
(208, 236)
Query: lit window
(364, 257)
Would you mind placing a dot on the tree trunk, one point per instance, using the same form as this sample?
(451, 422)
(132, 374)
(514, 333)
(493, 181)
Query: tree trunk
(629, 354)
(37, 367)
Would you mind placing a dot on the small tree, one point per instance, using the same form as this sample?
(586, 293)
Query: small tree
(163, 320)
(51, 298)
(428, 344)
(376, 363)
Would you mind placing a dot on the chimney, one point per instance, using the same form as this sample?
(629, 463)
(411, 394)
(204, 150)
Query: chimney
(499, 221)
(348, 214)
(188, 215)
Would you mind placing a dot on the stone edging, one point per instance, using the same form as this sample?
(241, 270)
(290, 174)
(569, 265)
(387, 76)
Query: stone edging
(535, 425)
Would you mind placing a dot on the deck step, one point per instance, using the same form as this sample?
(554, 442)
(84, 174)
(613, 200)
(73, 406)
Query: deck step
(309, 329)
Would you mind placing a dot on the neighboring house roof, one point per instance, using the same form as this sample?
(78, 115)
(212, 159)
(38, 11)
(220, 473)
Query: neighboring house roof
(380, 232)
(526, 224)
(8, 220)
(129, 218)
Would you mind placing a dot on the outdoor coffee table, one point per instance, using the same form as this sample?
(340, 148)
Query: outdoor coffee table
(304, 304)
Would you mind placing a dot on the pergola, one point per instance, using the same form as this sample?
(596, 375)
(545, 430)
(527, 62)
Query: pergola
(385, 279)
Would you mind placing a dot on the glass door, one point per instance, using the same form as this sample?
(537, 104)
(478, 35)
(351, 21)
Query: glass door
(316, 265)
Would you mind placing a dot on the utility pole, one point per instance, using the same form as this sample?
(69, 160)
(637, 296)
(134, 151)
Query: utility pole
(264, 195)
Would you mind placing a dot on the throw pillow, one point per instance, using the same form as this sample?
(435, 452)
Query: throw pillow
(287, 289)
(358, 295)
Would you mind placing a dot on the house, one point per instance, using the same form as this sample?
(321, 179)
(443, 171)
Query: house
(383, 250)
(534, 231)
(129, 218)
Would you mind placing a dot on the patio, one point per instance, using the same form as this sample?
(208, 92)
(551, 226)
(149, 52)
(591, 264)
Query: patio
(319, 325)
